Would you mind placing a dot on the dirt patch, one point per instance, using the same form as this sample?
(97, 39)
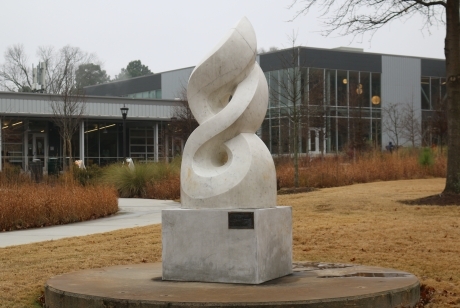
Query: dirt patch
(438, 199)
(295, 190)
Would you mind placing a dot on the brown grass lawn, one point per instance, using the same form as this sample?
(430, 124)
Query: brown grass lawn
(361, 224)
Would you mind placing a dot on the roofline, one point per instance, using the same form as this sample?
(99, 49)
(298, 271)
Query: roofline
(93, 98)
(144, 76)
(351, 51)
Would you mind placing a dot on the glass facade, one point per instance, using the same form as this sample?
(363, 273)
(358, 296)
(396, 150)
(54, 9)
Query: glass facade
(154, 94)
(434, 117)
(333, 109)
(26, 140)
(433, 92)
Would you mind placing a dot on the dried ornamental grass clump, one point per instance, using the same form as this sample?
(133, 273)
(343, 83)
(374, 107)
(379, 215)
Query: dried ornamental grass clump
(32, 205)
(166, 189)
(340, 170)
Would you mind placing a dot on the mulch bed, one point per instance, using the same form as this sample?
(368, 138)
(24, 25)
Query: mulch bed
(295, 190)
(439, 199)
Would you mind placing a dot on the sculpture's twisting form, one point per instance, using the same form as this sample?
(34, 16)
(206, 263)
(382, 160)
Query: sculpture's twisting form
(224, 164)
(229, 228)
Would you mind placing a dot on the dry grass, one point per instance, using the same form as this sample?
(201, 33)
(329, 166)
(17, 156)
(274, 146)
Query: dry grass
(166, 189)
(363, 223)
(29, 205)
(368, 167)
(24, 269)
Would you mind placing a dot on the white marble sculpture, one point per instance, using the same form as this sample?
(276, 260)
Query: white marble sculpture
(229, 228)
(225, 164)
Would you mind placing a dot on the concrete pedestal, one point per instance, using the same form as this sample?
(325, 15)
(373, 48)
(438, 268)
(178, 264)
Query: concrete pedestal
(311, 285)
(223, 245)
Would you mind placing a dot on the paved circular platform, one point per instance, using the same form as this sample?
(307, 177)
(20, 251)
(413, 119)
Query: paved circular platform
(311, 285)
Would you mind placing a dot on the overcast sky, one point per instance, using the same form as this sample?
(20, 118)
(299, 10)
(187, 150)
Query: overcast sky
(172, 34)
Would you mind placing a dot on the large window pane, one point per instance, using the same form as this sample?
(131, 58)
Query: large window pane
(316, 86)
(435, 92)
(376, 95)
(108, 135)
(330, 88)
(365, 86)
(342, 86)
(425, 93)
(355, 89)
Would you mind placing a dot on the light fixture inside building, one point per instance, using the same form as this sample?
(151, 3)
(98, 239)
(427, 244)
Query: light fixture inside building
(345, 81)
(375, 100)
(359, 89)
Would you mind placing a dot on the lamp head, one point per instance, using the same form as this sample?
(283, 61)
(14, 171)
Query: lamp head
(124, 111)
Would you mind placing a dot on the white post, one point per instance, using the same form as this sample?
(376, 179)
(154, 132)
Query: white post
(82, 141)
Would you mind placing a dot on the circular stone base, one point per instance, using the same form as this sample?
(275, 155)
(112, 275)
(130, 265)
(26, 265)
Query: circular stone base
(311, 285)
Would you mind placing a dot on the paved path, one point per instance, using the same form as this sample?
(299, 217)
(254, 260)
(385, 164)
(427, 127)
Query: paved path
(133, 213)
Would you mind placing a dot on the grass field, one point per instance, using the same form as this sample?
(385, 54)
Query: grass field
(362, 224)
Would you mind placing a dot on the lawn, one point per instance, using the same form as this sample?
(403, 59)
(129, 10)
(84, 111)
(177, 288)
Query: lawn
(362, 224)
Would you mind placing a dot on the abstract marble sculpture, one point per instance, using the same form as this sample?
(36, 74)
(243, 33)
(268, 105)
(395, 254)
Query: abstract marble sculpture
(225, 164)
(229, 228)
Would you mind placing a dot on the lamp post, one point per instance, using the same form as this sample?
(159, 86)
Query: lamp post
(124, 113)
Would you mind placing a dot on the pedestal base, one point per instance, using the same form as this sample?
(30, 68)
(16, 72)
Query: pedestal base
(311, 285)
(221, 245)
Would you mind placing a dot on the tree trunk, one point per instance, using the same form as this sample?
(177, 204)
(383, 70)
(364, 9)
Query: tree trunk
(64, 152)
(69, 150)
(452, 52)
(296, 153)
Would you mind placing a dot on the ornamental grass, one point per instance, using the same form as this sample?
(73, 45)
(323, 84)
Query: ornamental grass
(38, 205)
(25, 204)
(341, 170)
(146, 180)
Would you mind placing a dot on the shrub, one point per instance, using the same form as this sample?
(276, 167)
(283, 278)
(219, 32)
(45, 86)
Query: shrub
(37, 205)
(12, 175)
(133, 183)
(89, 176)
(426, 157)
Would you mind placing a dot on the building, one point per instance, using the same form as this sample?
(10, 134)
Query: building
(341, 97)
(336, 98)
(29, 132)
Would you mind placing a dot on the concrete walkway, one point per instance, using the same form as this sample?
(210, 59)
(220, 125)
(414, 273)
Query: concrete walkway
(133, 213)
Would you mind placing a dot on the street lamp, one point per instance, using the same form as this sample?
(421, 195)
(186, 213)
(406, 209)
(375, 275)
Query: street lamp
(124, 113)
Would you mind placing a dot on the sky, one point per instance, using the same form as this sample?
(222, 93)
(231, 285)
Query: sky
(172, 34)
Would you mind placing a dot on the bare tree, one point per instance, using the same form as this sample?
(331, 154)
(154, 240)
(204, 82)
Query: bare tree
(68, 108)
(411, 125)
(16, 72)
(393, 123)
(294, 92)
(289, 92)
(62, 65)
(184, 123)
(357, 17)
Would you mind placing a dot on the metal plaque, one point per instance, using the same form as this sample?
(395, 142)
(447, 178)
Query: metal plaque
(241, 220)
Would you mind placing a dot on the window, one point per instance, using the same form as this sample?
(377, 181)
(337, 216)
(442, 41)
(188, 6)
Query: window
(376, 95)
